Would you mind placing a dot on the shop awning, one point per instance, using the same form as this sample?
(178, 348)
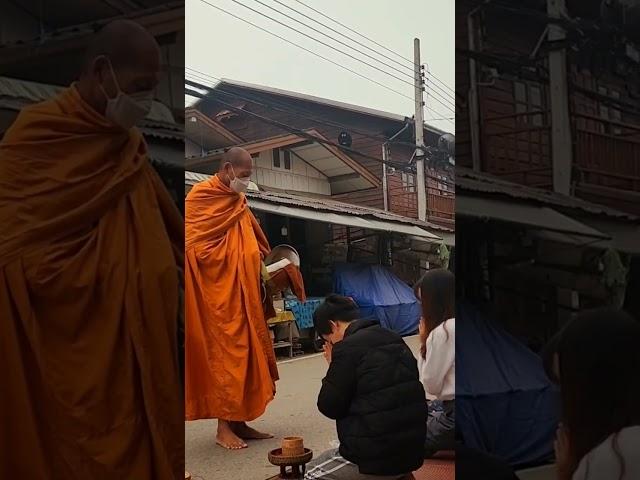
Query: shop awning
(449, 239)
(529, 215)
(342, 219)
(625, 238)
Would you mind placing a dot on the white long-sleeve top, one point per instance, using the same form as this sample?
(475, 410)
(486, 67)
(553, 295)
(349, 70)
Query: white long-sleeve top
(438, 368)
(604, 462)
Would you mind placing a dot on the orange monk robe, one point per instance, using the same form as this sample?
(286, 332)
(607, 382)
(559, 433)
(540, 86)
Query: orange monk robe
(89, 246)
(230, 370)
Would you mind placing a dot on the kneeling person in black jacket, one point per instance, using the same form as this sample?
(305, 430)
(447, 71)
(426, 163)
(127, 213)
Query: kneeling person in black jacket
(373, 392)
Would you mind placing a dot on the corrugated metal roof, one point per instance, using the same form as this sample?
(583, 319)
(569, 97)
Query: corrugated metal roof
(324, 204)
(33, 92)
(323, 101)
(163, 133)
(470, 181)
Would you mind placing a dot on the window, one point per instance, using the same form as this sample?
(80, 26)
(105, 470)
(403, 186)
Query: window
(281, 159)
(520, 96)
(408, 182)
(528, 98)
(615, 114)
(287, 160)
(535, 102)
(608, 112)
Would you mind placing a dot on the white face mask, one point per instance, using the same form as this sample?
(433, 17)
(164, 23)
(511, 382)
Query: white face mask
(239, 185)
(127, 110)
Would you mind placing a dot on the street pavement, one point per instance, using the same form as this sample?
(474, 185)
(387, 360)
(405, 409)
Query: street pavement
(292, 413)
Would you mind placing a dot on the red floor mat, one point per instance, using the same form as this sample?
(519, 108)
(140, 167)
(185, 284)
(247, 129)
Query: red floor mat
(435, 469)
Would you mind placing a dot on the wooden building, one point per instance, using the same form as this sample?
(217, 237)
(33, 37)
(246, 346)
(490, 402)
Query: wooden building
(238, 113)
(503, 122)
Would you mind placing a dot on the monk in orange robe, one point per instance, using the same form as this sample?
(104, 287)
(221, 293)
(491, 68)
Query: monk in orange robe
(230, 363)
(90, 245)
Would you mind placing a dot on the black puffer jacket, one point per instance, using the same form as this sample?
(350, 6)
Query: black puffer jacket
(373, 392)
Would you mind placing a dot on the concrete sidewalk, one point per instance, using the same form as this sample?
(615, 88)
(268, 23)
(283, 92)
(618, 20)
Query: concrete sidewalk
(293, 412)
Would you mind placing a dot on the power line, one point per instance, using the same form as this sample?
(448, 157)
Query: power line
(452, 110)
(319, 41)
(429, 80)
(435, 98)
(284, 126)
(441, 82)
(307, 50)
(363, 36)
(332, 38)
(354, 31)
(302, 133)
(338, 50)
(328, 45)
(346, 36)
(293, 111)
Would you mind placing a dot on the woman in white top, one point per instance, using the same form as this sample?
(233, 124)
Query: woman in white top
(596, 361)
(436, 361)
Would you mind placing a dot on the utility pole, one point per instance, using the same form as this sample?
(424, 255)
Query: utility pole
(385, 188)
(561, 146)
(419, 126)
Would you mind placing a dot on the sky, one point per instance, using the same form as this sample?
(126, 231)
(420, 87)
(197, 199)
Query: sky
(221, 46)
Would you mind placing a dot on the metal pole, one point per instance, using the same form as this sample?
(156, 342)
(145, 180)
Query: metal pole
(419, 126)
(385, 189)
(474, 110)
(561, 148)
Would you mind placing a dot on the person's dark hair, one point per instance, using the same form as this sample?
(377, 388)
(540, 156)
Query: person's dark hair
(438, 297)
(599, 361)
(336, 308)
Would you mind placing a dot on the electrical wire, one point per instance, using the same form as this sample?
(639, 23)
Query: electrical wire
(304, 134)
(273, 105)
(332, 38)
(365, 37)
(410, 68)
(433, 97)
(307, 50)
(354, 31)
(330, 46)
(293, 111)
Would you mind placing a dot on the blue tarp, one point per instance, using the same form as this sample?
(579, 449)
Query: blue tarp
(380, 295)
(303, 312)
(505, 404)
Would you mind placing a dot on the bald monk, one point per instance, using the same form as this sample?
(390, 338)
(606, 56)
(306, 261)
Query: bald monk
(230, 370)
(90, 246)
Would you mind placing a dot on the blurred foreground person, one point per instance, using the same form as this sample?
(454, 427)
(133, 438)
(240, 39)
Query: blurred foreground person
(89, 251)
(596, 360)
(373, 393)
(230, 363)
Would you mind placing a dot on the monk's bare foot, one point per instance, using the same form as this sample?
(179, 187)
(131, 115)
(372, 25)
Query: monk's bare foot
(227, 438)
(245, 432)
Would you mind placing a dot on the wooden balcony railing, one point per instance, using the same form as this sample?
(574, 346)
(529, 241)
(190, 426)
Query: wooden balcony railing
(610, 159)
(516, 149)
(440, 203)
(606, 153)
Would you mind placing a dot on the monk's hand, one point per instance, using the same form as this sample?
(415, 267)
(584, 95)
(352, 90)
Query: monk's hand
(327, 349)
